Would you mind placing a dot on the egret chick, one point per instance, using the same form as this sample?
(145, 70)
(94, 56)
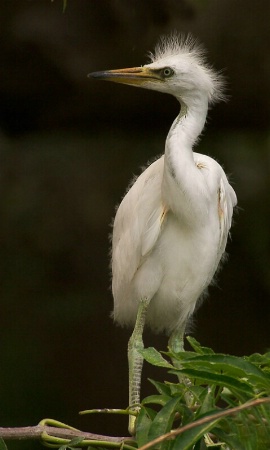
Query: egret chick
(171, 228)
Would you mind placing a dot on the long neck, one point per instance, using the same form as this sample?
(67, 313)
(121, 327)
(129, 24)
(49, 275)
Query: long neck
(187, 127)
(179, 166)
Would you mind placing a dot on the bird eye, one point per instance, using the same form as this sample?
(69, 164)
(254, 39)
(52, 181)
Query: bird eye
(167, 72)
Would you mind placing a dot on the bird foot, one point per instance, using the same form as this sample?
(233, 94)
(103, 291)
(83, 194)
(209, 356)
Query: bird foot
(133, 413)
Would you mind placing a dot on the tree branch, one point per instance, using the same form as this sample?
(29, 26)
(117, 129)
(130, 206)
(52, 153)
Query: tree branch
(35, 432)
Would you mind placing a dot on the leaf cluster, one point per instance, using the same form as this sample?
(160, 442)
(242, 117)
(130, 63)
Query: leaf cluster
(213, 404)
(218, 401)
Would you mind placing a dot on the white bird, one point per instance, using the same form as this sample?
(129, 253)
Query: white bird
(171, 228)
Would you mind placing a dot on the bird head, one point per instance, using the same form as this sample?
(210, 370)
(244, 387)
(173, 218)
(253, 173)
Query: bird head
(177, 67)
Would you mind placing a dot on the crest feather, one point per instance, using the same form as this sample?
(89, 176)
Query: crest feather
(186, 45)
(176, 44)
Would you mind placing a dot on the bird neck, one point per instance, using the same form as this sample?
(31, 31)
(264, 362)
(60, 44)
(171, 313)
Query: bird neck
(185, 130)
(179, 167)
(189, 124)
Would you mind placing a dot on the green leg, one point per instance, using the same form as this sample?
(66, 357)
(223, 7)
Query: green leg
(176, 344)
(135, 362)
(176, 341)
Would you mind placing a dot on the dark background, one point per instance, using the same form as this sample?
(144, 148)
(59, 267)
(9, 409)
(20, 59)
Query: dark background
(68, 149)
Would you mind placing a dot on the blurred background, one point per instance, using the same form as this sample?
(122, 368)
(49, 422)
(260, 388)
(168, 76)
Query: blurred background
(68, 149)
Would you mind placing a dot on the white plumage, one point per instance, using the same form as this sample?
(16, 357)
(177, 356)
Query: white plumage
(167, 251)
(171, 229)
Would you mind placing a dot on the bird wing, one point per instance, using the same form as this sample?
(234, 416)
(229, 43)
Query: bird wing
(138, 223)
(153, 227)
(226, 202)
(217, 184)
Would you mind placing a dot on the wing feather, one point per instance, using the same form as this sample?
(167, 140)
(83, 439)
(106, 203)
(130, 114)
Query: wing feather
(153, 228)
(137, 224)
(226, 202)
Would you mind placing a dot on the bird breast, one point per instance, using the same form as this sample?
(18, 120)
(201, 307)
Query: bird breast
(189, 260)
(173, 275)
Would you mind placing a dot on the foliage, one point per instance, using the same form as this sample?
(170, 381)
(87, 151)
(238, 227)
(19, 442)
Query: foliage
(220, 402)
(210, 405)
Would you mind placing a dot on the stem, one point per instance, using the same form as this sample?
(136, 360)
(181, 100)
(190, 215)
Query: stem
(213, 417)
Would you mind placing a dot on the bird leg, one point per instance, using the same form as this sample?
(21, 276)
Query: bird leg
(176, 344)
(176, 341)
(135, 362)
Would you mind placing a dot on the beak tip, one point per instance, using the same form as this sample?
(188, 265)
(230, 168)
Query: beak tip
(99, 75)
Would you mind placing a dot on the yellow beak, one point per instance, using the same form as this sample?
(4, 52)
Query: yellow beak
(135, 76)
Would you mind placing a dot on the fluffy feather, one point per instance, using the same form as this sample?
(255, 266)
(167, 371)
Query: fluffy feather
(186, 46)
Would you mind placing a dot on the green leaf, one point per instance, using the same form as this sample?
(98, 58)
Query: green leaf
(198, 393)
(152, 356)
(258, 359)
(143, 424)
(232, 441)
(213, 377)
(180, 355)
(74, 442)
(156, 399)
(207, 400)
(188, 439)
(2, 444)
(162, 388)
(177, 388)
(219, 379)
(232, 366)
(163, 421)
(198, 348)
